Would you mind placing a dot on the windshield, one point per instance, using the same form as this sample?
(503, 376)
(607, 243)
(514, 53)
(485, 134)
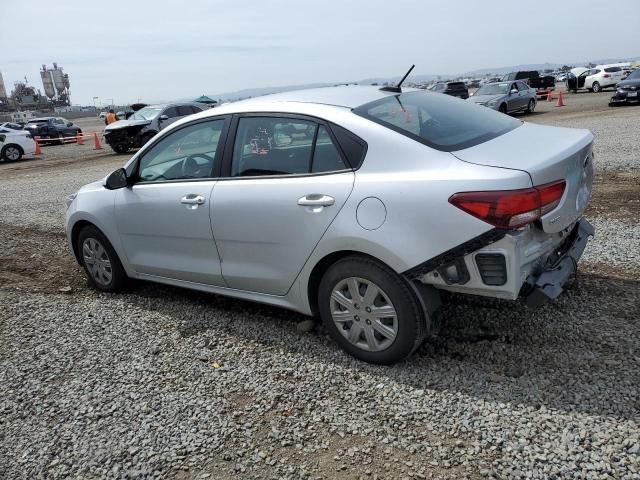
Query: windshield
(494, 89)
(635, 75)
(439, 121)
(147, 113)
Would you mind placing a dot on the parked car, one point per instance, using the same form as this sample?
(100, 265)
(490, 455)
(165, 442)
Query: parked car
(143, 125)
(11, 125)
(292, 200)
(594, 79)
(541, 84)
(455, 89)
(50, 128)
(14, 144)
(102, 115)
(628, 90)
(506, 97)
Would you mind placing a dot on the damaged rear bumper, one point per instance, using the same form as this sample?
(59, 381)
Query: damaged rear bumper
(548, 284)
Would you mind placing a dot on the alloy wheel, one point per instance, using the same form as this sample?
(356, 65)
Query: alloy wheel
(12, 153)
(97, 261)
(363, 314)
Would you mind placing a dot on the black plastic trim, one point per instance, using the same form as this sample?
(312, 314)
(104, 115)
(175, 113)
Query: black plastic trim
(454, 253)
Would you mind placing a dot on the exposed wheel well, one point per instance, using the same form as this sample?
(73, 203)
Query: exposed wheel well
(75, 231)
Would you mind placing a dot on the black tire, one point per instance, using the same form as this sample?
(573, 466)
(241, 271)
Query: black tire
(120, 148)
(532, 106)
(411, 323)
(9, 153)
(118, 276)
(61, 138)
(503, 108)
(596, 88)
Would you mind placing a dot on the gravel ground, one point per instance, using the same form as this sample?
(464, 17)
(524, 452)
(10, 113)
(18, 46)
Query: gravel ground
(167, 383)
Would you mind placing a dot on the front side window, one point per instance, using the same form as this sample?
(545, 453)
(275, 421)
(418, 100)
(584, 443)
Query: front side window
(522, 86)
(185, 154)
(184, 110)
(282, 146)
(439, 121)
(171, 112)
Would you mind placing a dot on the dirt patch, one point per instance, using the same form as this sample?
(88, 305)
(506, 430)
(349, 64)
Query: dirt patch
(616, 194)
(37, 260)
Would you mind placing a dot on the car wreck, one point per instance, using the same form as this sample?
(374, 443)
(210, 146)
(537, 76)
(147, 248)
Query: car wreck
(143, 124)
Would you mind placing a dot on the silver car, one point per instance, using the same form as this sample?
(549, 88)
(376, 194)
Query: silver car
(352, 203)
(506, 97)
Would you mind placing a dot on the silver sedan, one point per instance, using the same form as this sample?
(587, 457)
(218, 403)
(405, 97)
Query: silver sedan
(355, 204)
(506, 97)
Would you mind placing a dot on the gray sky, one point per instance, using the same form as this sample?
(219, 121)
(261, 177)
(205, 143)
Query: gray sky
(164, 49)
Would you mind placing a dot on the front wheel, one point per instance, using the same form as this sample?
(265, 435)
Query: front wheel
(596, 87)
(503, 108)
(370, 311)
(61, 138)
(120, 148)
(532, 106)
(100, 261)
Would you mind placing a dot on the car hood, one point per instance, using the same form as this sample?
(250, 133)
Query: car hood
(485, 98)
(126, 123)
(630, 83)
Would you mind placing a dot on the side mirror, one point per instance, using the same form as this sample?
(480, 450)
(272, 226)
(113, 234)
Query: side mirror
(163, 118)
(514, 91)
(116, 180)
(69, 124)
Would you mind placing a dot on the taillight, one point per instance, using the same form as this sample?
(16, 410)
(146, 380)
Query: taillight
(510, 208)
(606, 75)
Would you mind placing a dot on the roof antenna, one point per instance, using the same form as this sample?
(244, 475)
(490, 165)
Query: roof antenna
(396, 88)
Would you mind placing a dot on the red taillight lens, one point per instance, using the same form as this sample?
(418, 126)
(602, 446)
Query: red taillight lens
(510, 208)
(606, 75)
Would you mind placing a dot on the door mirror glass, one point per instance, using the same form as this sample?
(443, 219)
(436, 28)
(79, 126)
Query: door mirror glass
(514, 91)
(164, 117)
(117, 179)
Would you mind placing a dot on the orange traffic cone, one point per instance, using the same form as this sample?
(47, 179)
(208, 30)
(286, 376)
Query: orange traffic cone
(38, 149)
(79, 139)
(560, 102)
(549, 95)
(96, 142)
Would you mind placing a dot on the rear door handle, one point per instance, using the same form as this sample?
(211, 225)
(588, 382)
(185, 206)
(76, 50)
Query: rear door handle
(316, 200)
(192, 199)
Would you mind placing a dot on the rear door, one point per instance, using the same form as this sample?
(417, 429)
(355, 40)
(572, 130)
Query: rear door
(286, 180)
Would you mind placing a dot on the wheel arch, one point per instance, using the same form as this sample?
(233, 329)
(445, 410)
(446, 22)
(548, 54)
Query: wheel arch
(18, 146)
(75, 232)
(427, 296)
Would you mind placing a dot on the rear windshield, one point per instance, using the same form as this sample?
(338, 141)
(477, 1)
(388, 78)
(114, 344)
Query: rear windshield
(456, 85)
(439, 121)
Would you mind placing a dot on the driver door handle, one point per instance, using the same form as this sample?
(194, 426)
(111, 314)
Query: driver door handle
(192, 199)
(316, 200)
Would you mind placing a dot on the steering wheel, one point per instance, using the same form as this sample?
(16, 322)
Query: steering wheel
(192, 169)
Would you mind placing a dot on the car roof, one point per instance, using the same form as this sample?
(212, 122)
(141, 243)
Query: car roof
(347, 96)
(40, 119)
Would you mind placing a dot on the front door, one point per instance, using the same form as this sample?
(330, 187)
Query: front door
(164, 218)
(287, 181)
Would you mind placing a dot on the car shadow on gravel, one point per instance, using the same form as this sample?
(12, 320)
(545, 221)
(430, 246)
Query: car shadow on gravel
(578, 353)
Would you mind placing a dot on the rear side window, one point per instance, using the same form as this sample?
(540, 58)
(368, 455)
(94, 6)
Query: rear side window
(439, 121)
(612, 69)
(283, 146)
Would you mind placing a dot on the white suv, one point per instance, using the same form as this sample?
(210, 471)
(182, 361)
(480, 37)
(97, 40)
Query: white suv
(595, 79)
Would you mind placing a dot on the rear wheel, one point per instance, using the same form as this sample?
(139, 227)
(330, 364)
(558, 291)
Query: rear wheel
(100, 261)
(532, 106)
(370, 311)
(11, 153)
(596, 87)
